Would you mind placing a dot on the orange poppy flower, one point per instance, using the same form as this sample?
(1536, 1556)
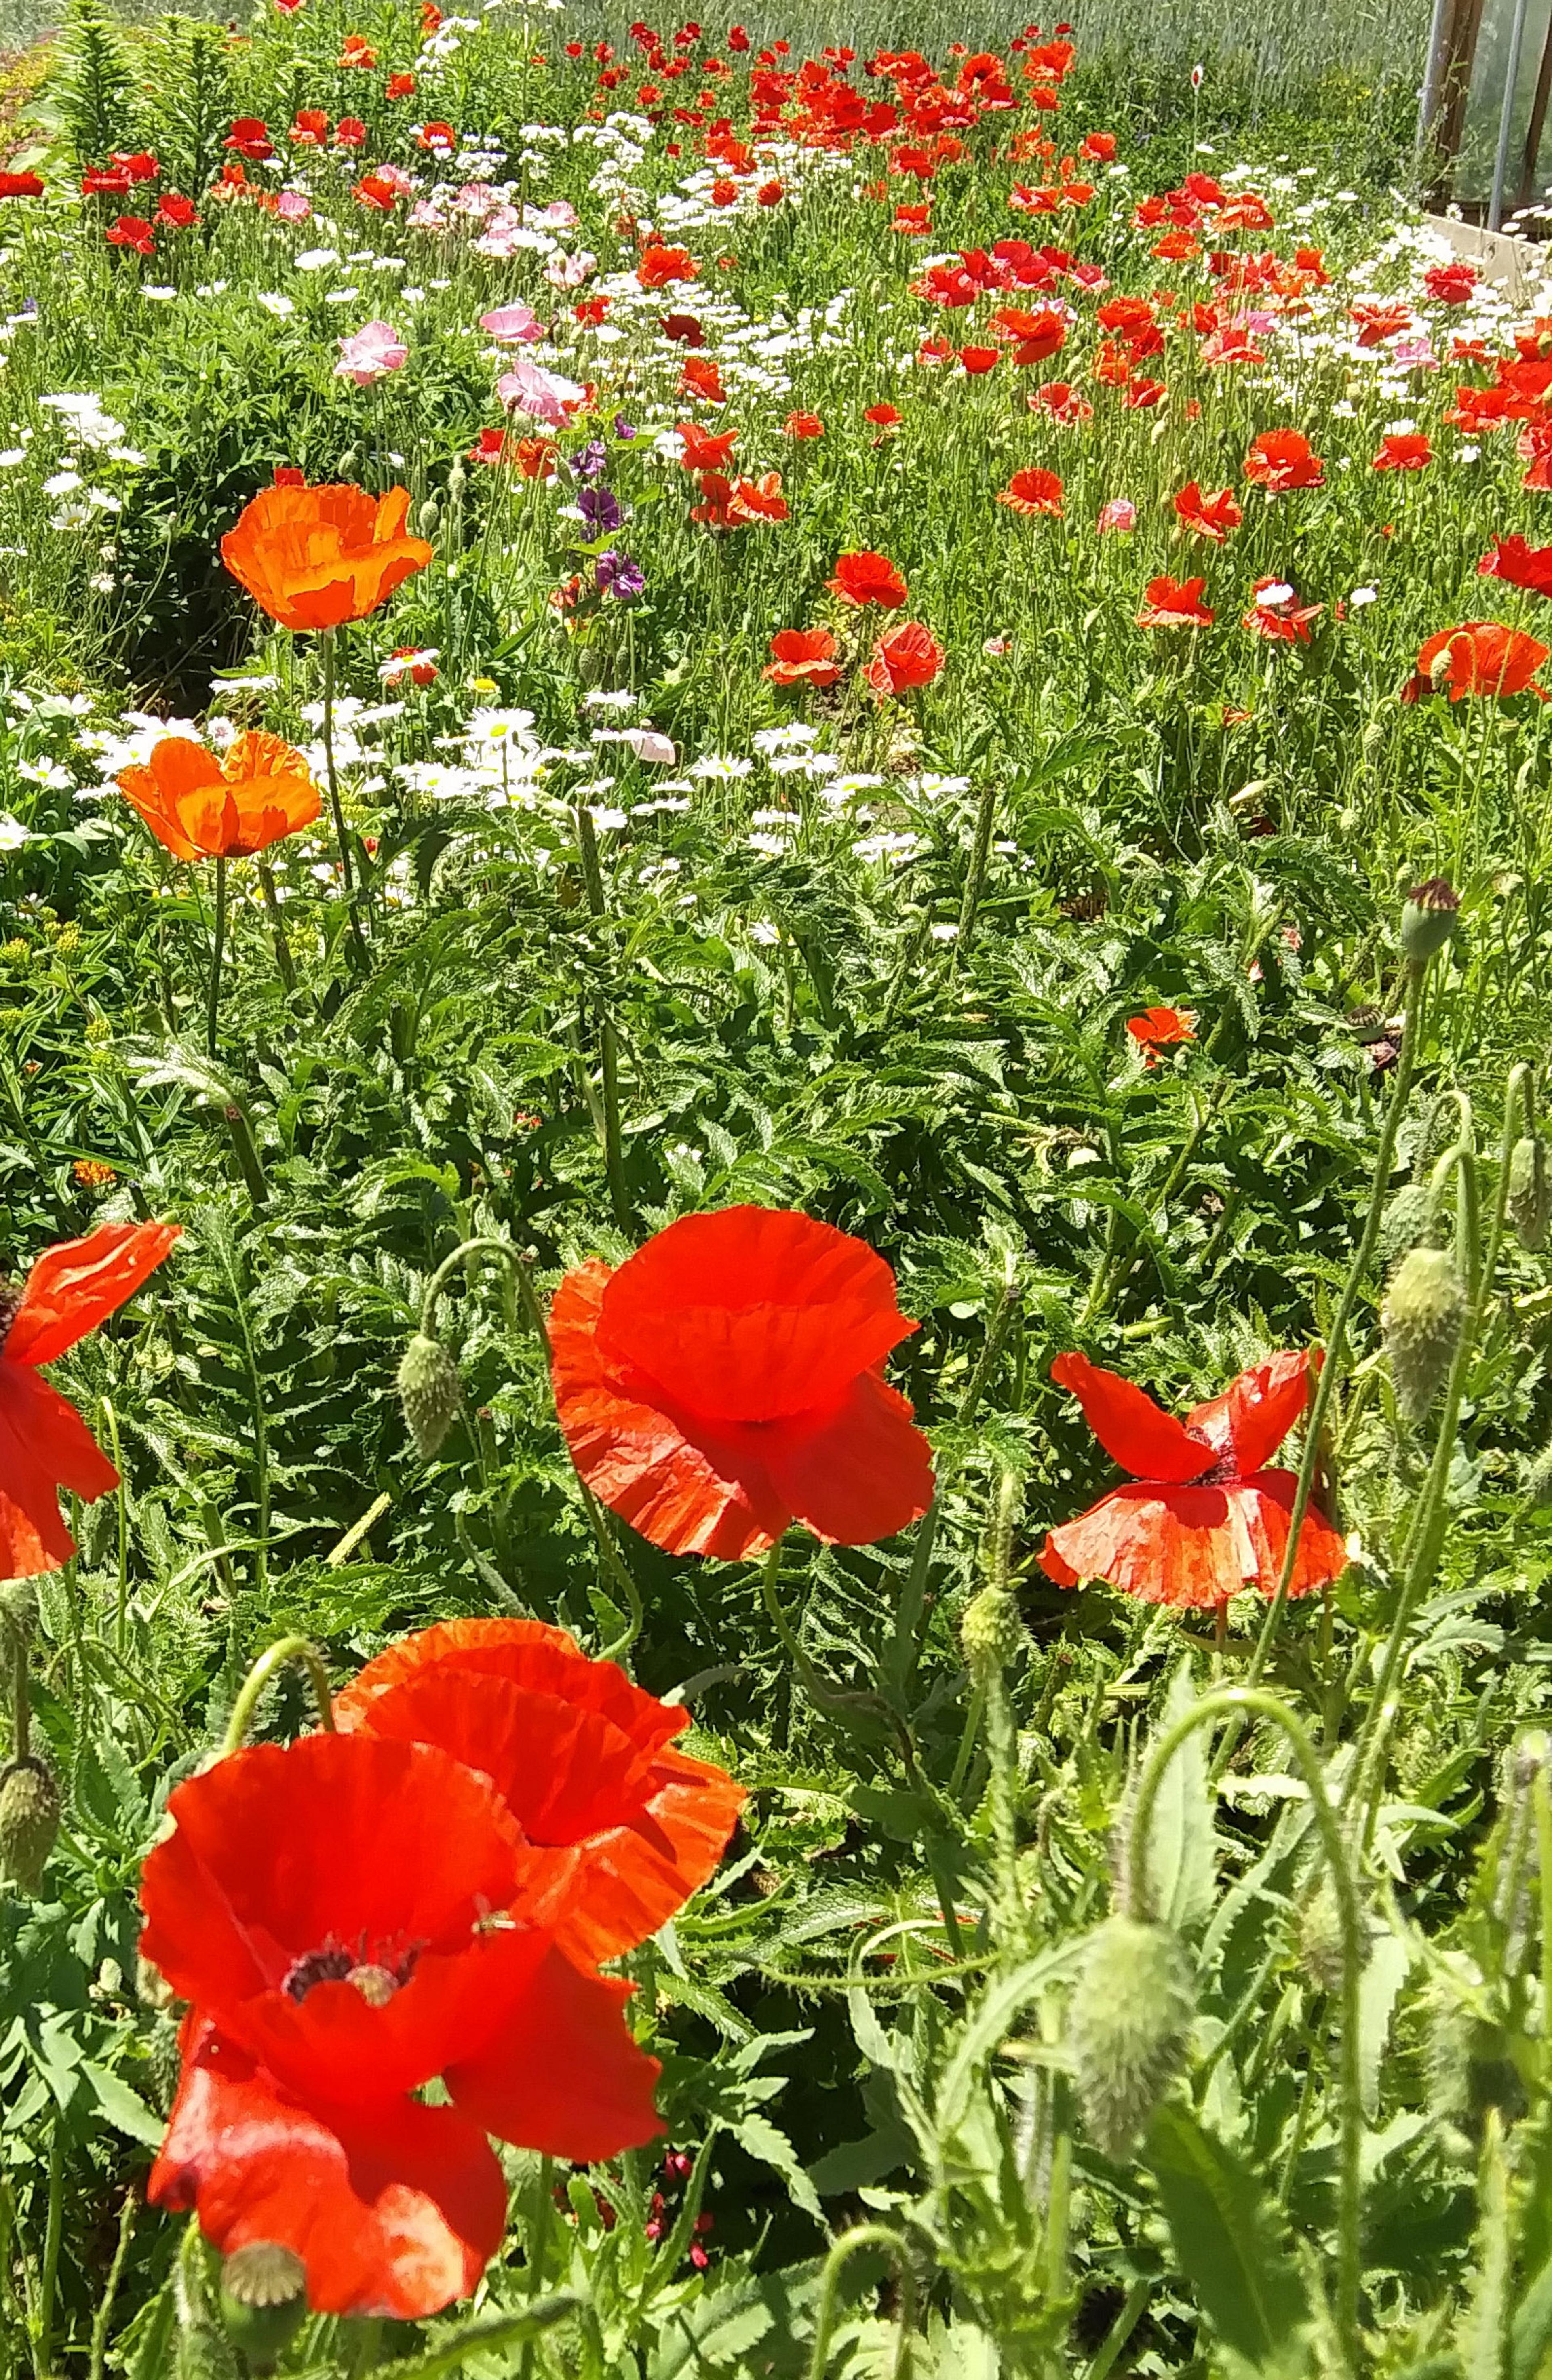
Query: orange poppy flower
(702, 378)
(45, 1444)
(703, 450)
(1204, 1517)
(1280, 460)
(803, 425)
(757, 500)
(1032, 492)
(1208, 517)
(660, 267)
(1159, 1028)
(199, 806)
(1483, 657)
(903, 657)
(316, 557)
(728, 1379)
(1174, 604)
(803, 657)
(867, 578)
(1404, 450)
(1277, 615)
(623, 1828)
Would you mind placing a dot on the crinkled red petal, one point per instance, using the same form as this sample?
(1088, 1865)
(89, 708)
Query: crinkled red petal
(1137, 1433)
(566, 2076)
(77, 1285)
(44, 1445)
(1253, 1415)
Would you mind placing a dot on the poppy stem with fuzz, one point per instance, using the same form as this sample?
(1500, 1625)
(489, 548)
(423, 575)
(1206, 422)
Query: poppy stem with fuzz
(835, 1700)
(1241, 1703)
(608, 1044)
(289, 1648)
(1335, 1346)
(865, 2234)
(342, 834)
(283, 959)
(217, 953)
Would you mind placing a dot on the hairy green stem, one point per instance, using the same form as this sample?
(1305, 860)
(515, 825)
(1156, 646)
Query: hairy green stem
(342, 832)
(217, 953)
(608, 1044)
(864, 2235)
(289, 1648)
(101, 2320)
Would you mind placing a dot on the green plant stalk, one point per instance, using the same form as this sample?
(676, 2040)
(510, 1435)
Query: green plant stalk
(260, 1427)
(121, 1497)
(246, 1150)
(217, 953)
(836, 1700)
(1335, 1349)
(102, 2318)
(287, 1648)
(975, 875)
(342, 834)
(510, 2331)
(283, 959)
(1244, 1702)
(608, 1044)
(21, 1695)
(1541, 1804)
(43, 2343)
(864, 2235)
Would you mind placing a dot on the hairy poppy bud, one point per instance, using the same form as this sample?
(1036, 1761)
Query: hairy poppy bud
(1428, 919)
(1470, 2064)
(1530, 1190)
(264, 2300)
(1423, 1315)
(428, 517)
(28, 1821)
(1538, 1482)
(1320, 1938)
(428, 1391)
(458, 479)
(19, 1612)
(349, 463)
(1127, 2028)
(991, 1633)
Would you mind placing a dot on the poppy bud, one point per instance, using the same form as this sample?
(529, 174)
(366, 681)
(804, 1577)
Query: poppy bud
(1423, 1318)
(458, 479)
(1428, 920)
(428, 1391)
(1538, 1482)
(1320, 1938)
(349, 463)
(19, 1612)
(264, 2301)
(428, 517)
(1470, 2060)
(1127, 2028)
(1529, 1191)
(28, 1821)
(991, 1633)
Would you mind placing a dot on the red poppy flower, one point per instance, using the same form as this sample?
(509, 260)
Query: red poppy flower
(912, 222)
(1161, 1029)
(622, 1826)
(1483, 657)
(132, 231)
(176, 213)
(728, 1378)
(357, 51)
(400, 86)
(1208, 517)
(976, 360)
(1451, 284)
(45, 1444)
(349, 133)
(1063, 403)
(1174, 604)
(1378, 323)
(1032, 492)
(803, 425)
(803, 657)
(1404, 450)
(882, 418)
(700, 378)
(903, 657)
(20, 185)
(702, 450)
(661, 266)
(685, 330)
(1518, 563)
(1277, 615)
(326, 1989)
(250, 138)
(1204, 1518)
(757, 500)
(867, 578)
(1280, 460)
(1034, 337)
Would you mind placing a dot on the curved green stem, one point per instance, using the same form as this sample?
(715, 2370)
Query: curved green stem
(486, 1244)
(864, 2235)
(840, 1702)
(213, 1004)
(508, 2330)
(1254, 1702)
(289, 1648)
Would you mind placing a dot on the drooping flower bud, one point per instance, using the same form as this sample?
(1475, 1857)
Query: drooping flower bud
(19, 1613)
(1128, 2027)
(1471, 2061)
(28, 1821)
(991, 1633)
(264, 2301)
(1320, 1937)
(428, 517)
(1530, 1190)
(1428, 920)
(1423, 1315)
(428, 1391)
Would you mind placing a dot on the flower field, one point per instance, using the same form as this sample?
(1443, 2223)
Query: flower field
(774, 1456)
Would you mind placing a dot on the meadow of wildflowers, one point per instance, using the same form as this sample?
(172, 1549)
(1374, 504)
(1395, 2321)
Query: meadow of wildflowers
(773, 1313)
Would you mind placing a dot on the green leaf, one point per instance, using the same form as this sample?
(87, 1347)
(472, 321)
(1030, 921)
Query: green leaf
(1177, 1856)
(1379, 1988)
(124, 2108)
(1225, 2240)
(1530, 2338)
(759, 2137)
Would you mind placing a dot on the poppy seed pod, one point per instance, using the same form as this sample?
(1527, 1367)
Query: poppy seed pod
(1429, 918)
(28, 1821)
(1530, 1190)
(991, 1633)
(264, 2301)
(1128, 2027)
(1423, 1315)
(428, 1391)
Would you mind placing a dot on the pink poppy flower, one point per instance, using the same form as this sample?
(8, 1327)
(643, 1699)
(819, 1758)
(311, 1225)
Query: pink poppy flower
(1120, 514)
(370, 352)
(541, 395)
(513, 326)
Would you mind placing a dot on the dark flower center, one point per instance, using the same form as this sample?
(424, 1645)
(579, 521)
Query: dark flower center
(378, 1971)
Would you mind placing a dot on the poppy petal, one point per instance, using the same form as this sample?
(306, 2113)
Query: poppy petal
(531, 1654)
(393, 2209)
(1253, 1415)
(1174, 1545)
(77, 1285)
(1261, 1508)
(858, 1472)
(1137, 1433)
(565, 2076)
(753, 1313)
(44, 1445)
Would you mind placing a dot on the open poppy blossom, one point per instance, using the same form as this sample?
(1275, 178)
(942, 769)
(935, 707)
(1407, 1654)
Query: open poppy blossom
(327, 1990)
(1403, 450)
(1174, 604)
(1281, 459)
(1519, 564)
(1204, 1517)
(1032, 492)
(803, 657)
(727, 1379)
(757, 500)
(703, 450)
(45, 1444)
(1481, 658)
(803, 425)
(1161, 1029)
(867, 578)
(623, 1828)
(316, 557)
(201, 807)
(1208, 517)
(1277, 615)
(903, 657)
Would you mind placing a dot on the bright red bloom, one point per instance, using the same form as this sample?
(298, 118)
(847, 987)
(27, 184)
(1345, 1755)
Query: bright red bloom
(176, 213)
(700, 377)
(1064, 403)
(903, 657)
(976, 360)
(757, 500)
(1204, 1518)
(349, 133)
(1032, 492)
(685, 330)
(1483, 657)
(45, 1444)
(1174, 603)
(1451, 284)
(1280, 460)
(867, 578)
(1208, 517)
(882, 418)
(703, 450)
(803, 657)
(132, 231)
(728, 1378)
(803, 425)
(357, 51)
(1520, 563)
(374, 191)
(1404, 450)
(20, 185)
(1277, 614)
(1161, 1029)
(660, 267)
(1035, 337)
(250, 138)
(326, 1910)
(400, 86)
(622, 1827)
